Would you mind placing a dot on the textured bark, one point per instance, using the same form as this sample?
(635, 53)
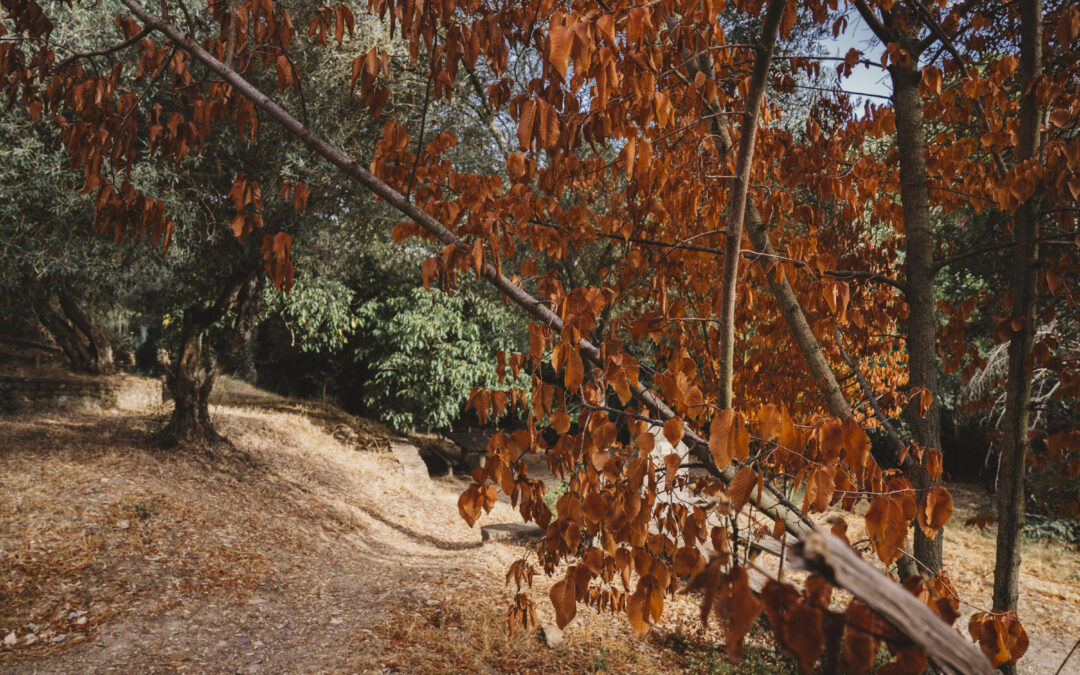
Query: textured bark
(899, 26)
(97, 343)
(737, 206)
(1014, 446)
(84, 344)
(922, 319)
(837, 562)
(189, 379)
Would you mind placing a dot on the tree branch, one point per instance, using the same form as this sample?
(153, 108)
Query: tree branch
(793, 519)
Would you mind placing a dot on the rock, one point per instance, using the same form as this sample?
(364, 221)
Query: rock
(517, 533)
(336, 620)
(124, 524)
(30, 639)
(11, 639)
(59, 638)
(80, 621)
(553, 635)
(256, 601)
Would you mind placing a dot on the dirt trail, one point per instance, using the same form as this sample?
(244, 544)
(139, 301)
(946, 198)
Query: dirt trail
(310, 550)
(308, 556)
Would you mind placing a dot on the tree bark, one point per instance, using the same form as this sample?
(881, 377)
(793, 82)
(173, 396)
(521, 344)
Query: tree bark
(1024, 294)
(897, 25)
(84, 344)
(922, 317)
(98, 346)
(189, 379)
(737, 206)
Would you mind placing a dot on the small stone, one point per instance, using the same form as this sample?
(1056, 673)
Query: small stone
(104, 480)
(59, 638)
(553, 636)
(336, 620)
(256, 601)
(124, 524)
(76, 615)
(30, 639)
(245, 639)
(11, 639)
(80, 621)
(257, 643)
(33, 627)
(521, 533)
(222, 643)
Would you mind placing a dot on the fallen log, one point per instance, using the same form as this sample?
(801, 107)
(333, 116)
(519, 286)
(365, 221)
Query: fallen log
(832, 558)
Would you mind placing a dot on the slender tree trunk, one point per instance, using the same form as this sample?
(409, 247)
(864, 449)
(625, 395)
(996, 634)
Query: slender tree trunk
(1014, 445)
(922, 318)
(737, 206)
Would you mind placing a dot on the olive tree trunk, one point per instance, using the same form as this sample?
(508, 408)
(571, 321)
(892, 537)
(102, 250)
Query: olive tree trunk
(190, 377)
(84, 344)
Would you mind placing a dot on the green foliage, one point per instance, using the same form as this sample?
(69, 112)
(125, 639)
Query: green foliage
(318, 313)
(554, 491)
(426, 351)
(1059, 530)
(600, 662)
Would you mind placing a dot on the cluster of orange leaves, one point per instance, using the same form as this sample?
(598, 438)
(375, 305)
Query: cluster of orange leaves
(615, 158)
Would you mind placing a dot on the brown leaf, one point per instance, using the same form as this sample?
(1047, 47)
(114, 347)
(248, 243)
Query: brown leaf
(560, 421)
(860, 641)
(741, 486)
(886, 527)
(673, 431)
(935, 511)
(564, 599)
(720, 438)
(525, 124)
(738, 604)
(561, 39)
(575, 370)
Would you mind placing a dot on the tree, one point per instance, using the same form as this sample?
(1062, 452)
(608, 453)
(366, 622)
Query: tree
(613, 144)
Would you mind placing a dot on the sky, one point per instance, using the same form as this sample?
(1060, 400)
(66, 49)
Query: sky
(865, 79)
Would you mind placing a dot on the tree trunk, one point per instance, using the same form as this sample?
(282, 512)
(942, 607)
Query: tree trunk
(1014, 444)
(98, 347)
(739, 197)
(190, 380)
(922, 319)
(83, 343)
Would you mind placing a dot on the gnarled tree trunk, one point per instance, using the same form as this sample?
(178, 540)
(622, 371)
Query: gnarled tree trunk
(84, 344)
(189, 377)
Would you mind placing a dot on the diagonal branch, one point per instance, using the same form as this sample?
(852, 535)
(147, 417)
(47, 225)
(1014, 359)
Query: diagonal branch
(794, 520)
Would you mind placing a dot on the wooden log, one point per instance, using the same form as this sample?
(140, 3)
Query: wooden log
(830, 557)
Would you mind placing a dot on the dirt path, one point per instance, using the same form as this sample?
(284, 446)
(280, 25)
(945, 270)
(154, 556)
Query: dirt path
(302, 552)
(310, 557)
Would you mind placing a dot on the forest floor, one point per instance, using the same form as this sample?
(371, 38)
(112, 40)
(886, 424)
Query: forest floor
(308, 549)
